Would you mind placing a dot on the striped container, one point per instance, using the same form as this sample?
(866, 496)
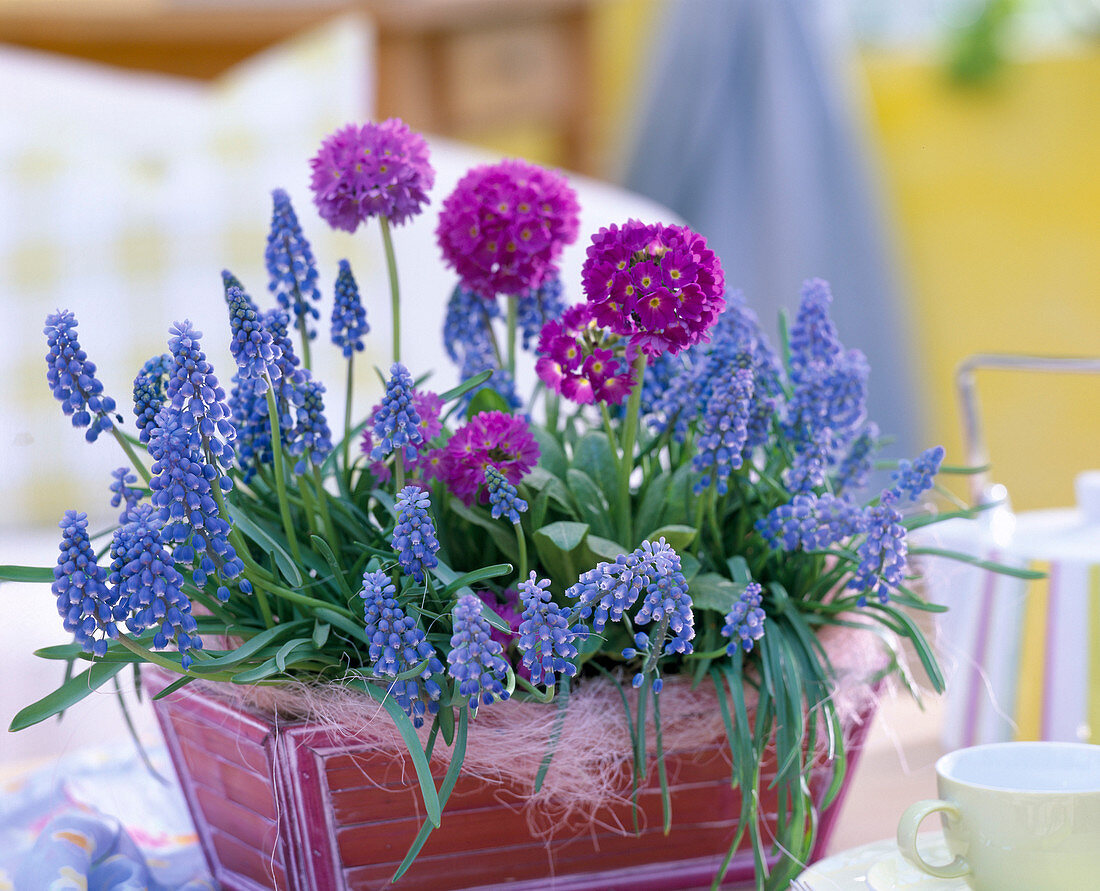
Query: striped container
(1023, 657)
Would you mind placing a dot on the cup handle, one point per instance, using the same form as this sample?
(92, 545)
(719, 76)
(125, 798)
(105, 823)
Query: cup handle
(907, 838)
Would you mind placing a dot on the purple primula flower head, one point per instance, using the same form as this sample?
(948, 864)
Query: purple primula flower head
(414, 534)
(504, 226)
(504, 500)
(745, 621)
(476, 660)
(122, 495)
(723, 431)
(372, 170)
(545, 638)
(490, 438)
(349, 318)
(182, 492)
(397, 644)
(913, 478)
(311, 436)
(291, 267)
(610, 589)
(72, 377)
(396, 423)
(811, 522)
(659, 285)
(883, 554)
(145, 577)
(575, 359)
(250, 344)
(149, 387)
(194, 393)
(857, 464)
(84, 601)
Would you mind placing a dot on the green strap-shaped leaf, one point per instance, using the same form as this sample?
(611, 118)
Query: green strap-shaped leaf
(466, 386)
(283, 560)
(68, 694)
(33, 574)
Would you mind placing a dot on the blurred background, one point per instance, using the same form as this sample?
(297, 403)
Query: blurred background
(937, 160)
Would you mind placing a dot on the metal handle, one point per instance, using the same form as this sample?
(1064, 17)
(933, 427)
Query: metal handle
(977, 454)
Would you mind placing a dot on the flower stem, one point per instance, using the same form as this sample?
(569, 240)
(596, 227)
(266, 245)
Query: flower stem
(326, 516)
(280, 473)
(610, 431)
(399, 469)
(626, 465)
(241, 548)
(395, 289)
(303, 330)
(522, 543)
(128, 449)
(513, 316)
(347, 421)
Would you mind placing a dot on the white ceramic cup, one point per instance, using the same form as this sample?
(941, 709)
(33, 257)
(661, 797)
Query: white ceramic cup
(1017, 816)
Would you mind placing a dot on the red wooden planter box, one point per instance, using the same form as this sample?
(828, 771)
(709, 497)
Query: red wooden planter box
(291, 806)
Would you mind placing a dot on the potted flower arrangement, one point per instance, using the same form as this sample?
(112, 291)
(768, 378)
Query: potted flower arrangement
(574, 594)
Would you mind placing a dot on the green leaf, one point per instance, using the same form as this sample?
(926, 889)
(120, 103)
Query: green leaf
(542, 480)
(320, 633)
(478, 575)
(343, 623)
(678, 537)
(175, 685)
(33, 574)
(551, 456)
(68, 694)
(250, 647)
(739, 570)
(503, 537)
(325, 551)
(593, 505)
(653, 503)
(559, 549)
(487, 399)
(283, 560)
(466, 386)
(689, 566)
(992, 566)
(563, 535)
(604, 548)
(593, 455)
(412, 743)
(715, 592)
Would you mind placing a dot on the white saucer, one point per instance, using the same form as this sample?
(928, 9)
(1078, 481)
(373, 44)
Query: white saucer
(880, 866)
(895, 873)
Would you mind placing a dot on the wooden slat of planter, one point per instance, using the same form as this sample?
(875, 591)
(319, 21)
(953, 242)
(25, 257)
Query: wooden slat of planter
(242, 860)
(223, 742)
(244, 825)
(232, 781)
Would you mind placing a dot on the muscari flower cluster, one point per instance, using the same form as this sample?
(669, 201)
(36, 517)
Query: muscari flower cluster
(659, 285)
(577, 359)
(745, 621)
(653, 570)
(376, 169)
(469, 341)
(504, 500)
(428, 407)
(250, 344)
(503, 227)
(290, 264)
(149, 585)
(723, 431)
(545, 638)
(85, 602)
(414, 533)
(396, 645)
(194, 394)
(490, 438)
(349, 318)
(544, 304)
(883, 554)
(811, 522)
(476, 660)
(72, 377)
(312, 437)
(913, 478)
(396, 422)
(149, 386)
(122, 494)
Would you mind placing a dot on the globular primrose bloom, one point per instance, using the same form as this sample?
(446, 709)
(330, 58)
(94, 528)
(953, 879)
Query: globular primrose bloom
(883, 555)
(659, 285)
(122, 495)
(544, 304)
(476, 660)
(72, 377)
(197, 397)
(312, 436)
(84, 601)
(575, 360)
(504, 226)
(811, 522)
(396, 422)
(349, 318)
(143, 574)
(183, 495)
(250, 344)
(724, 431)
(491, 438)
(504, 500)
(372, 170)
(913, 478)
(545, 638)
(398, 644)
(414, 534)
(745, 622)
(606, 592)
(291, 268)
(149, 387)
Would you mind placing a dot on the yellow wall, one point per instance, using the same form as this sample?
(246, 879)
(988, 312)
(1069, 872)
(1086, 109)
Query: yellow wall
(996, 192)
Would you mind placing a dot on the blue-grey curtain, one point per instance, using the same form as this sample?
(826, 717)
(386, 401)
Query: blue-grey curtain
(750, 130)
